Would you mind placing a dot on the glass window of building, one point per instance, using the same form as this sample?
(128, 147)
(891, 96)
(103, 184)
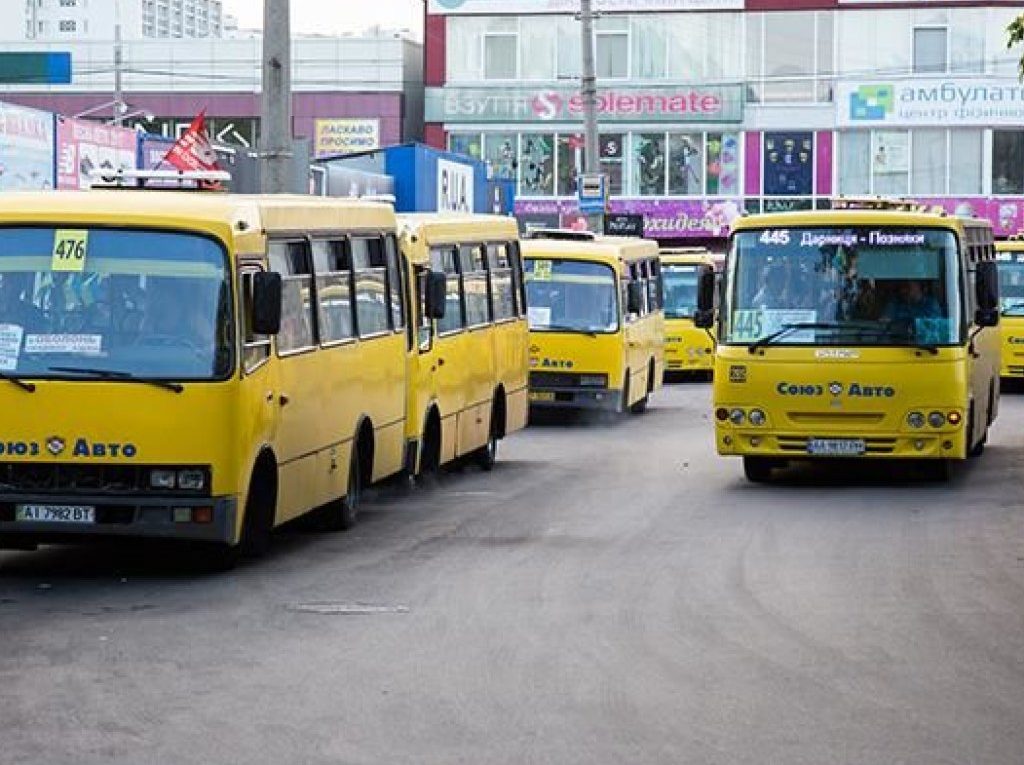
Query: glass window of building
(650, 46)
(536, 164)
(685, 164)
(500, 154)
(789, 53)
(965, 161)
(929, 166)
(723, 164)
(788, 164)
(930, 53)
(537, 40)
(890, 161)
(612, 47)
(567, 55)
(612, 150)
(649, 164)
(855, 162)
(500, 56)
(1007, 162)
(466, 143)
(967, 40)
(570, 163)
(873, 41)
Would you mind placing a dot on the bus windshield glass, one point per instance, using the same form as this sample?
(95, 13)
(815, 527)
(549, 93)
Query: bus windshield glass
(571, 296)
(843, 286)
(95, 303)
(680, 291)
(1011, 283)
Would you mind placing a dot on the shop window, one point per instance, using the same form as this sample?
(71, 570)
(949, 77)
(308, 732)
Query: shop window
(965, 161)
(649, 164)
(929, 165)
(536, 164)
(570, 163)
(855, 162)
(612, 150)
(890, 162)
(465, 143)
(723, 164)
(930, 50)
(1007, 162)
(686, 164)
(788, 164)
(500, 154)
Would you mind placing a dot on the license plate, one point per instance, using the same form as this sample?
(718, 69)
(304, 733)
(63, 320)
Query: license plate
(836, 447)
(542, 395)
(56, 513)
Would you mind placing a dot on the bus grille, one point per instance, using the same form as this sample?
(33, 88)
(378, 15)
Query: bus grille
(836, 418)
(554, 380)
(798, 445)
(61, 478)
(1016, 370)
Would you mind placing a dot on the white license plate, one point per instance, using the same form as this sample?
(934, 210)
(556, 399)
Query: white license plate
(836, 447)
(56, 513)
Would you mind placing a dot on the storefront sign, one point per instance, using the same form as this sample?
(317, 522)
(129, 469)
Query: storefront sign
(26, 149)
(460, 7)
(454, 187)
(84, 146)
(949, 102)
(345, 136)
(663, 218)
(684, 103)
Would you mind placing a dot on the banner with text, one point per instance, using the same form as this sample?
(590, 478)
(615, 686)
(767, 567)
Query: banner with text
(345, 136)
(26, 149)
(946, 101)
(84, 146)
(501, 7)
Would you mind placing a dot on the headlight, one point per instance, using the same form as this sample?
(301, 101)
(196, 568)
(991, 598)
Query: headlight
(161, 479)
(721, 414)
(954, 418)
(737, 416)
(191, 480)
(915, 420)
(593, 381)
(936, 419)
(757, 417)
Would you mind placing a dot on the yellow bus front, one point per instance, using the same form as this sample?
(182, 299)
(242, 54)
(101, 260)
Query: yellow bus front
(577, 331)
(687, 347)
(850, 338)
(1010, 257)
(119, 380)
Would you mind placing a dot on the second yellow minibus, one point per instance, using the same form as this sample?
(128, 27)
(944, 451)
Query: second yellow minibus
(688, 349)
(1010, 257)
(596, 321)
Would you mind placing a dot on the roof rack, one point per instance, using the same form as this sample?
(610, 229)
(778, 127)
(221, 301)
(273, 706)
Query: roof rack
(202, 180)
(563, 234)
(886, 203)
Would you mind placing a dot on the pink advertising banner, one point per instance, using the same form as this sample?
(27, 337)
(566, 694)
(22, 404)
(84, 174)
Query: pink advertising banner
(83, 146)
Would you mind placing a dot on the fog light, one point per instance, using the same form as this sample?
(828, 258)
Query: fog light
(936, 419)
(202, 515)
(161, 479)
(181, 514)
(915, 420)
(727, 440)
(593, 381)
(722, 414)
(947, 445)
(919, 444)
(953, 418)
(737, 416)
(192, 480)
(757, 417)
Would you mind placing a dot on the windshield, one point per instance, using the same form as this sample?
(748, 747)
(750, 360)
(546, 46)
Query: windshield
(857, 286)
(1011, 283)
(571, 296)
(137, 303)
(680, 291)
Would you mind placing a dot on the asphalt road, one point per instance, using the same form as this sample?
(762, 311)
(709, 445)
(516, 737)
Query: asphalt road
(611, 593)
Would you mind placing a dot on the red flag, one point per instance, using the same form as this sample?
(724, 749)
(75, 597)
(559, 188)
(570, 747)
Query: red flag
(193, 150)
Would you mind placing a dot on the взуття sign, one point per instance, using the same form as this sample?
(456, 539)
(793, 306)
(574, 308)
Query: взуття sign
(679, 103)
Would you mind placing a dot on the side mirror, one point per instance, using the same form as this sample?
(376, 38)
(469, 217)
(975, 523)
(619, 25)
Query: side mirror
(986, 317)
(266, 303)
(634, 297)
(436, 297)
(987, 281)
(704, 316)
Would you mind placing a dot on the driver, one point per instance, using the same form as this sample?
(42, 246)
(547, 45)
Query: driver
(912, 302)
(181, 310)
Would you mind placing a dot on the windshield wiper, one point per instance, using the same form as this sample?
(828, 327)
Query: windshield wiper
(888, 331)
(114, 374)
(768, 339)
(25, 386)
(565, 328)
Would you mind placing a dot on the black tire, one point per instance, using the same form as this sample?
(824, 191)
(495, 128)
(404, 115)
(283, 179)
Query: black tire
(640, 406)
(259, 517)
(430, 458)
(487, 455)
(625, 395)
(341, 514)
(977, 449)
(758, 469)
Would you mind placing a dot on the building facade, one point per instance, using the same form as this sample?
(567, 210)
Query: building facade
(79, 20)
(708, 108)
(349, 93)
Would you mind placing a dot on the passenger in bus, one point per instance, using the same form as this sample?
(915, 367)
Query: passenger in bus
(911, 302)
(14, 308)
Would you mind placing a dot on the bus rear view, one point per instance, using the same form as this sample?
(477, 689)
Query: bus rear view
(856, 333)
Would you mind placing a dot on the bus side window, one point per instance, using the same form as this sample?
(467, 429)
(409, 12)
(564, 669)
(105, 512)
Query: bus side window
(292, 261)
(518, 285)
(255, 348)
(502, 289)
(473, 265)
(445, 260)
(333, 269)
(396, 295)
(654, 287)
(369, 268)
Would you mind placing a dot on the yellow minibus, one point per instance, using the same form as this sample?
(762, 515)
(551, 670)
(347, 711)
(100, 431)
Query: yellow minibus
(596, 322)
(1010, 257)
(468, 376)
(688, 349)
(864, 331)
(201, 366)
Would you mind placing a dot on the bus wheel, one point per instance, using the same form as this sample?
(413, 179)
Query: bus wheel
(341, 514)
(430, 457)
(975, 450)
(758, 469)
(257, 526)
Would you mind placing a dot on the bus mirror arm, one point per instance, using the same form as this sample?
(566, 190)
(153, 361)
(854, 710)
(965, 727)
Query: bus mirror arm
(266, 303)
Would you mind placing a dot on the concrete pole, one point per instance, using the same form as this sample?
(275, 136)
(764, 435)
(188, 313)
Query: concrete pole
(119, 105)
(276, 114)
(588, 91)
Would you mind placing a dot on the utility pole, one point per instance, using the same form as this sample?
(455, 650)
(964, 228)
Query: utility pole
(588, 91)
(119, 105)
(276, 113)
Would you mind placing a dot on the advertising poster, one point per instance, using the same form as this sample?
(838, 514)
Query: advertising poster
(890, 151)
(84, 146)
(26, 149)
(788, 164)
(662, 218)
(345, 136)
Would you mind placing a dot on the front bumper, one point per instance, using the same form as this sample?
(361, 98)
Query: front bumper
(120, 517)
(753, 442)
(594, 399)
